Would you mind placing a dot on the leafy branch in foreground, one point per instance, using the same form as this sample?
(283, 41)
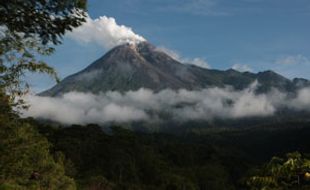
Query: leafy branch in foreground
(291, 172)
(17, 57)
(29, 29)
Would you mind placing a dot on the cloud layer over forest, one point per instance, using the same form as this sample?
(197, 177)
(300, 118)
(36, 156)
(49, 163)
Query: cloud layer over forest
(146, 105)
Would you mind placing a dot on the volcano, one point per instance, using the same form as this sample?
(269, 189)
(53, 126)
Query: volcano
(134, 66)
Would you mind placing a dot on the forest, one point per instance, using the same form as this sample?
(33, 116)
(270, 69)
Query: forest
(214, 159)
(35, 154)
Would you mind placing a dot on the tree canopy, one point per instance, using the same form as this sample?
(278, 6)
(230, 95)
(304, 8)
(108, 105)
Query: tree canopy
(291, 172)
(29, 28)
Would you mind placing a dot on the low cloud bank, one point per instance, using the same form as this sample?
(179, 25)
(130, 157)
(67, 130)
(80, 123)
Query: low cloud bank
(145, 105)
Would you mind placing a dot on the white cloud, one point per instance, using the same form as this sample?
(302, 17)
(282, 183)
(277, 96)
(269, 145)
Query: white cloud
(172, 53)
(199, 62)
(293, 66)
(242, 68)
(302, 101)
(252, 105)
(146, 105)
(105, 32)
(82, 108)
(293, 60)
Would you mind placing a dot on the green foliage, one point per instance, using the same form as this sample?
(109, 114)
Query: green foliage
(212, 159)
(282, 173)
(4, 103)
(46, 20)
(17, 58)
(97, 183)
(130, 160)
(25, 160)
(28, 28)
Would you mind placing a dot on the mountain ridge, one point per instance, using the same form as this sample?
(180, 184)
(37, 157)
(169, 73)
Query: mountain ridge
(134, 66)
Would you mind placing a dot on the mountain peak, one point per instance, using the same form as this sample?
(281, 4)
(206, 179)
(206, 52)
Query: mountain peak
(131, 49)
(139, 46)
(143, 46)
(133, 66)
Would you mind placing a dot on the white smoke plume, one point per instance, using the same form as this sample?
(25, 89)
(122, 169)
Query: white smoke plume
(146, 105)
(105, 32)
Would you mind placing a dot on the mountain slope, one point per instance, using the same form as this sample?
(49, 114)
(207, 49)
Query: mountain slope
(133, 66)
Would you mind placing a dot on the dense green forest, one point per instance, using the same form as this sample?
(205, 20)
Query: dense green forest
(213, 158)
(35, 155)
(25, 159)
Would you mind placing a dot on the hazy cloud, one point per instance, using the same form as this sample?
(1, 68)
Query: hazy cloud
(200, 62)
(146, 105)
(104, 31)
(242, 68)
(302, 101)
(293, 60)
(81, 108)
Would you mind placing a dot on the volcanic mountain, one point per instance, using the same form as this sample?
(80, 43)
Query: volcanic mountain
(135, 66)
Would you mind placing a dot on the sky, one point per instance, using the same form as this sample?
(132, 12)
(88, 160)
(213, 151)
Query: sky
(246, 35)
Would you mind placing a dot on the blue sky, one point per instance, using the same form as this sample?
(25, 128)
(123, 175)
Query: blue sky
(253, 35)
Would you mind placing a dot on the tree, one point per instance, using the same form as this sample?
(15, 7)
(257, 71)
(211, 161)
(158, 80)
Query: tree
(25, 160)
(46, 20)
(29, 28)
(291, 172)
